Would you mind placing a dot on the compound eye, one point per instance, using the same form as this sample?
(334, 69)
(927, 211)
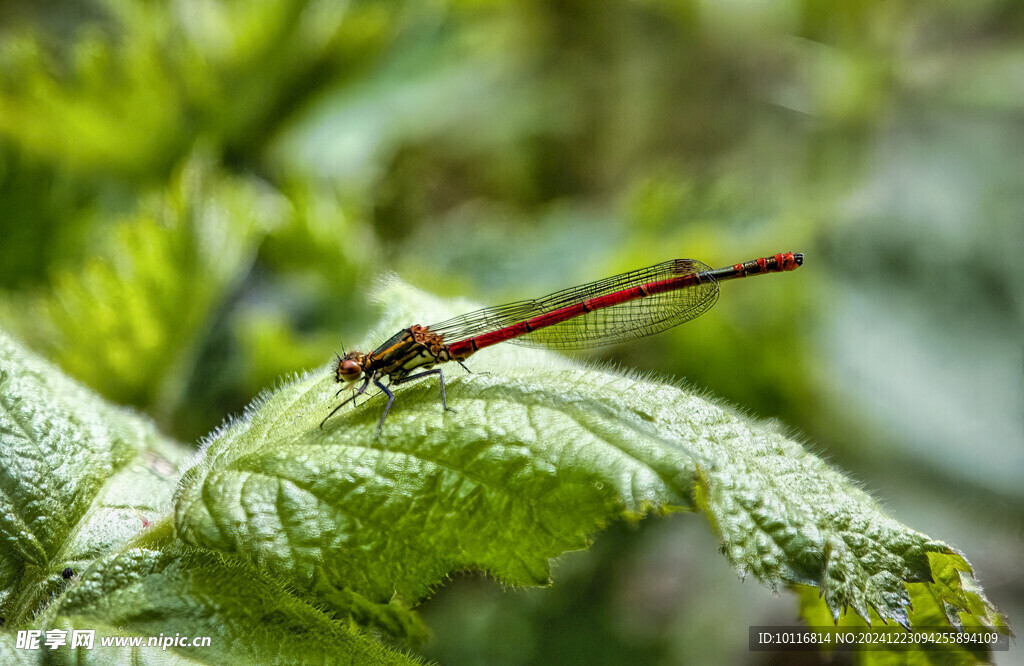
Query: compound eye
(349, 370)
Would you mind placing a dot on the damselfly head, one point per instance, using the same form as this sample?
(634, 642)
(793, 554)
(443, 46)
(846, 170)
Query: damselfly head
(350, 367)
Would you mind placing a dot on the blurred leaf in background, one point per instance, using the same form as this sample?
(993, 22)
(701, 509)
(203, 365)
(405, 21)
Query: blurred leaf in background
(131, 319)
(194, 197)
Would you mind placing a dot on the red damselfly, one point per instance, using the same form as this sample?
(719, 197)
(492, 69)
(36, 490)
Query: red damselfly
(619, 308)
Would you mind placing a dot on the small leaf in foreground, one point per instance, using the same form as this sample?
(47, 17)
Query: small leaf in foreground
(87, 543)
(75, 472)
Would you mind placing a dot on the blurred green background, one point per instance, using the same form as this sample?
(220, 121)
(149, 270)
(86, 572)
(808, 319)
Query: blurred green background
(196, 196)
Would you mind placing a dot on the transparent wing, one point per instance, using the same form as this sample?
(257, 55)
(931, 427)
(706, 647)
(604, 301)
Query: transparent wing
(616, 323)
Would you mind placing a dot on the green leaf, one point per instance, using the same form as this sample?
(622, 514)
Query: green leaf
(88, 486)
(953, 600)
(77, 477)
(539, 456)
(131, 321)
(248, 616)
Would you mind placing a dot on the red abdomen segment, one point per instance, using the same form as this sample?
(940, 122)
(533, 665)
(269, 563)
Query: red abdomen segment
(787, 261)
